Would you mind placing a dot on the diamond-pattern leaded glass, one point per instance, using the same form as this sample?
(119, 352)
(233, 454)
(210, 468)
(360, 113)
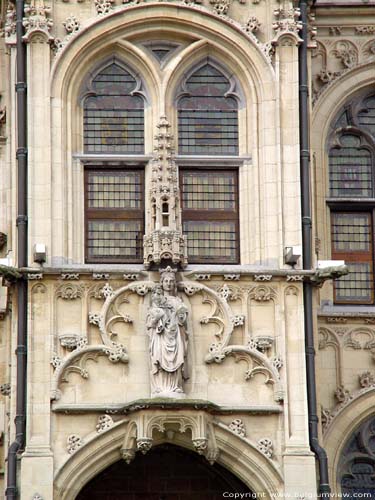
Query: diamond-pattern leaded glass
(210, 215)
(352, 242)
(114, 215)
(113, 117)
(350, 169)
(207, 118)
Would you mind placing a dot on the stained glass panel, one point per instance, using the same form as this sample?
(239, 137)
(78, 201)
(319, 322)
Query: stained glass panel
(207, 118)
(350, 169)
(113, 117)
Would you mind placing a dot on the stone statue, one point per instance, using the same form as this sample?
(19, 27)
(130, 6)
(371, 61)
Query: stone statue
(166, 326)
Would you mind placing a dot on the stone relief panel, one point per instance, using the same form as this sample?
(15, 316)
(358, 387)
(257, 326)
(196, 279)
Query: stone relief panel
(346, 363)
(168, 338)
(339, 49)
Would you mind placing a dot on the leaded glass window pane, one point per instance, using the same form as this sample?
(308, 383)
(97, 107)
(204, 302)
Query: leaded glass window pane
(352, 242)
(350, 169)
(366, 117)
(113, 117)
(209, 191)
(114, 190)
(114, 215)
(114, 240)
(357, 285)
(351, 232)
(211, 241)
(207, 118)
(210, 215)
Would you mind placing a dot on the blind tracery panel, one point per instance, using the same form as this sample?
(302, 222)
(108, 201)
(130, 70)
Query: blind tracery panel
(207, 115)
(114, 215)
(113, 115)
(210, 215)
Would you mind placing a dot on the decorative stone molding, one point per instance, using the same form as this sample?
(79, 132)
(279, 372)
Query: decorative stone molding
(262, 277)
(37, 23)
(229, 292)
(261, 342)
(73, 443)
(131, 276)
(144, 445)
(35, 276)
(287, 24)
(72, 340)
(100, 276)
(70, 276)
(5, 389)
(265, 446)
(342, 395)
(366, 379)
(71, 25)
(252, 25)
(232, 277)
(333, 59)
(140, 432)
(103, 6)
(10, 25)
(238, 427)
(347, 53)
(295, 277)
(76, 361)
(56, 361)
(164, 239)
(69, 291)
(202, 277)
(105, 422)
(262, 293)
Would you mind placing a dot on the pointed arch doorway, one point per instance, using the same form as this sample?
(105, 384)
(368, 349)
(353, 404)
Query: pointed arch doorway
(166, 472)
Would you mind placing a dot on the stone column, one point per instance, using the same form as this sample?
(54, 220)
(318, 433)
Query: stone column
(298, 460)
(37, 461)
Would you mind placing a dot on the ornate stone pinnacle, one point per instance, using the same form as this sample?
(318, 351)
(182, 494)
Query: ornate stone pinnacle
(164, 239)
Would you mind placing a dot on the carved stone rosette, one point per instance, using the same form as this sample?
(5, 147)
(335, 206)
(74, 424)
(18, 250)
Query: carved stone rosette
(164, 239)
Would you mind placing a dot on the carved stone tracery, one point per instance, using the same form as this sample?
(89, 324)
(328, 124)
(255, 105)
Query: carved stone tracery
(38, 22)
(164, 239)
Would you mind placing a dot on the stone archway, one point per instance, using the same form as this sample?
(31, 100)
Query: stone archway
(167, 472)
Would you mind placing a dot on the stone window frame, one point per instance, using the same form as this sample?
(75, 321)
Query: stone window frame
(352, 202)
(223, 162)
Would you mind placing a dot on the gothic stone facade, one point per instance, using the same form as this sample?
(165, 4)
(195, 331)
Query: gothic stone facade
(98, 390)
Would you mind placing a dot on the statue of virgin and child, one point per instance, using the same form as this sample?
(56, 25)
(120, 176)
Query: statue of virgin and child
(166, 324)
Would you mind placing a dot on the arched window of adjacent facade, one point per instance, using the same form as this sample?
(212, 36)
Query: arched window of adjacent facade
(113, 124)
(208, 126)
(356, 470)
(352, 199)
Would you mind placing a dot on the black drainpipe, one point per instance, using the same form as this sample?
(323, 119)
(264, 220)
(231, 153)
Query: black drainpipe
(320, 453)
(21, 350)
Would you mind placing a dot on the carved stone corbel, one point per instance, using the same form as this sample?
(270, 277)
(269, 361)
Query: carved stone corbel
(38, 23)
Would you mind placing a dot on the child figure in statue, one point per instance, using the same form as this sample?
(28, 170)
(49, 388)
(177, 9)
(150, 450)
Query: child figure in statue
(166, 325)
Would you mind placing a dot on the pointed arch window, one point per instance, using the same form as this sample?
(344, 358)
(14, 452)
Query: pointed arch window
(114, 113)
(352, 199)
(208, 114)
(113, 123)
